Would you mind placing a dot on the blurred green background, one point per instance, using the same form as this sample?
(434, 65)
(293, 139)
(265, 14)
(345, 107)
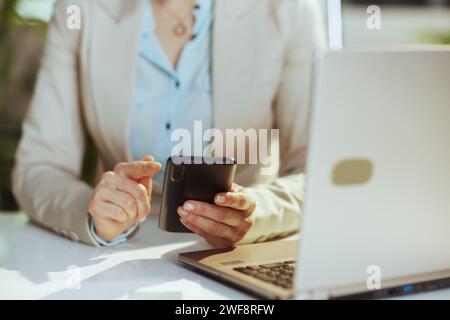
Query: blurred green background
(17, 75)
(23, 26)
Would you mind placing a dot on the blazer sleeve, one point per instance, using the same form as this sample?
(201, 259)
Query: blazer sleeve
(46, 176)
(279, 209)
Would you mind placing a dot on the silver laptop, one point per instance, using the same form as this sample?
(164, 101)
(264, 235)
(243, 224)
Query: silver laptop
(377, 206)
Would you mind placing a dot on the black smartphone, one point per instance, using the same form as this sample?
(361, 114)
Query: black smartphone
(192, 178)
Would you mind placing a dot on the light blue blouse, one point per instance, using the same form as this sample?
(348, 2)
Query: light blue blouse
(167, 98)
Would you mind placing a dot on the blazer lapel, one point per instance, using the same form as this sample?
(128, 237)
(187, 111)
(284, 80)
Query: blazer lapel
(113, 62)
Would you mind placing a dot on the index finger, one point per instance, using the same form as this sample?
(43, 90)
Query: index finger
(137, 169)
(192, 209)
(236, 200)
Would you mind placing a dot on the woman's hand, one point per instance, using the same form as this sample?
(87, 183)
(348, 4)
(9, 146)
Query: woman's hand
(122, 197)
(224, 223)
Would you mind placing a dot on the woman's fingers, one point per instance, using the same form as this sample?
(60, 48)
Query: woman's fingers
(210, 227)
(236, 188)
(137, 190)
(121, 199)
(138, 169)
(223, 215)
(147, 183)
(224, 223)
(216, 242)
(236, 200)
(103, 211)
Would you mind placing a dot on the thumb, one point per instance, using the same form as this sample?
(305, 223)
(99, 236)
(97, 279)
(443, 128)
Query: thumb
(236, 188)
(148, 183)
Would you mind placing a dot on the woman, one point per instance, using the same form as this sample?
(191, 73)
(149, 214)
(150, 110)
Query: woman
(137, 70)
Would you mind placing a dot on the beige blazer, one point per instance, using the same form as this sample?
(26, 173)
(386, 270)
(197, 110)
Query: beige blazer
(262, 58)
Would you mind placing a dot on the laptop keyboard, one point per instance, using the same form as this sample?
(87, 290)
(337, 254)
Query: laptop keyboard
(280, 274)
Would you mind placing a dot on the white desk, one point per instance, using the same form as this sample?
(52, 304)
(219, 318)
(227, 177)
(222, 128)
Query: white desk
(37, 264)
